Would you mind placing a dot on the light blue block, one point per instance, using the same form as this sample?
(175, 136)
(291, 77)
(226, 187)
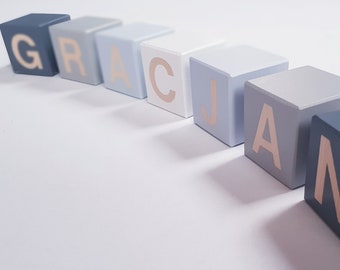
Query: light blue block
(75, 48)
(120, 58)
(217, 84)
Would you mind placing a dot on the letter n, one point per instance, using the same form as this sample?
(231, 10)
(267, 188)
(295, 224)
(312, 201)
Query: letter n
(326, 161)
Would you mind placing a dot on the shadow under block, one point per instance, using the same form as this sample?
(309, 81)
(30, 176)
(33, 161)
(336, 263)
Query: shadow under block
(119, 56)
(217, 83)
(75, 50)
(28, 43)
(323, 169)
(278, 110)
(166, 68)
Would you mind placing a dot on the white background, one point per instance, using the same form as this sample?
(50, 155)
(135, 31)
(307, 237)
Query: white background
(93, 179)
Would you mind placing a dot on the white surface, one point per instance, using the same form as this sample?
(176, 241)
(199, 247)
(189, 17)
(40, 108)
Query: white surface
(183, 43)
(293, 88)
(227, 59)
(93, 179)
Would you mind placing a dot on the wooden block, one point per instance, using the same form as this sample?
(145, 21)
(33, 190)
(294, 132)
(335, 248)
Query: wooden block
(278, 113)
(166, 68)
(217, 82)
(323, 169)
(119, 56)
(28, 43)
(75, 50)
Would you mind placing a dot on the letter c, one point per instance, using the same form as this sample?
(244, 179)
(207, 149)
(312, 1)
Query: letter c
(157, 61)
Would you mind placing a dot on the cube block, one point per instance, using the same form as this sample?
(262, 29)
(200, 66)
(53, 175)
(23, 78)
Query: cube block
(166, 68)
(119, 56)
(278, 114)
(323, 169)
(28, 43)
(75, 49)
(217, 83)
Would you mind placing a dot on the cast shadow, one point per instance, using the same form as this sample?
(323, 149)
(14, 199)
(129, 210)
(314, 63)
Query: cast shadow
(38, 84)
(190, 141)
(7, 76)
(145, 115)
(246, 181)
(304, 239)
(100, 97)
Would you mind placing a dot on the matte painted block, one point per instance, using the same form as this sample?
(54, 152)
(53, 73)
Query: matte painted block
(278, 110)
(28, 43)
(75, 48)
(166, 68)
(217, 83)
(120, 58)
(323, 169)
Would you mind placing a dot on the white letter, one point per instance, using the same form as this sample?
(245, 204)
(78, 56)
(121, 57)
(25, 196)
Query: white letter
(36, 61)
(272, 146)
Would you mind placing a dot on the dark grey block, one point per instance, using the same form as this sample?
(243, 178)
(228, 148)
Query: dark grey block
(278, 113)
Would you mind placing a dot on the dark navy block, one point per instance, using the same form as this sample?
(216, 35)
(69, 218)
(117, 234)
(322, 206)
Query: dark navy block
(28, 43)
(323, 169)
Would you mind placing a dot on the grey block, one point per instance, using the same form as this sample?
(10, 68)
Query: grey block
(284, 103)
(75, 48)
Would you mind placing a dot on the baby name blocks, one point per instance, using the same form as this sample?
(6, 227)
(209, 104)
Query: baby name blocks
(28, 43)
(278, 112)
(323, 169)
(217, 83)
(166, 68)
(119, 55)
(75, 50)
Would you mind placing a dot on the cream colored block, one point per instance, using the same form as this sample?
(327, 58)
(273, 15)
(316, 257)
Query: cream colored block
(166, 69)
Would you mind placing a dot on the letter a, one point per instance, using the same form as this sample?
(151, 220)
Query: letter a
(116, 61)
(75, 56)
(267, 116)
(325, 162)
(157, 61)
(213, 118)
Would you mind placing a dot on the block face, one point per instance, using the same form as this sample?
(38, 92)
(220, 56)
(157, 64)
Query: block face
(276, 129)
(164, 80)
(210, 100)
(28, 43)
(260, 108)
(119, 55)
(167, 72)
(217, 79)
(75, 48)
(323, 169)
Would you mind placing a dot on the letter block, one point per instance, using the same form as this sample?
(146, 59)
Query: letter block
(28, 43)
(323, 169)
(75, 50)
(119, 56)
(278, 110)
(217, 82)
(166, 68)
